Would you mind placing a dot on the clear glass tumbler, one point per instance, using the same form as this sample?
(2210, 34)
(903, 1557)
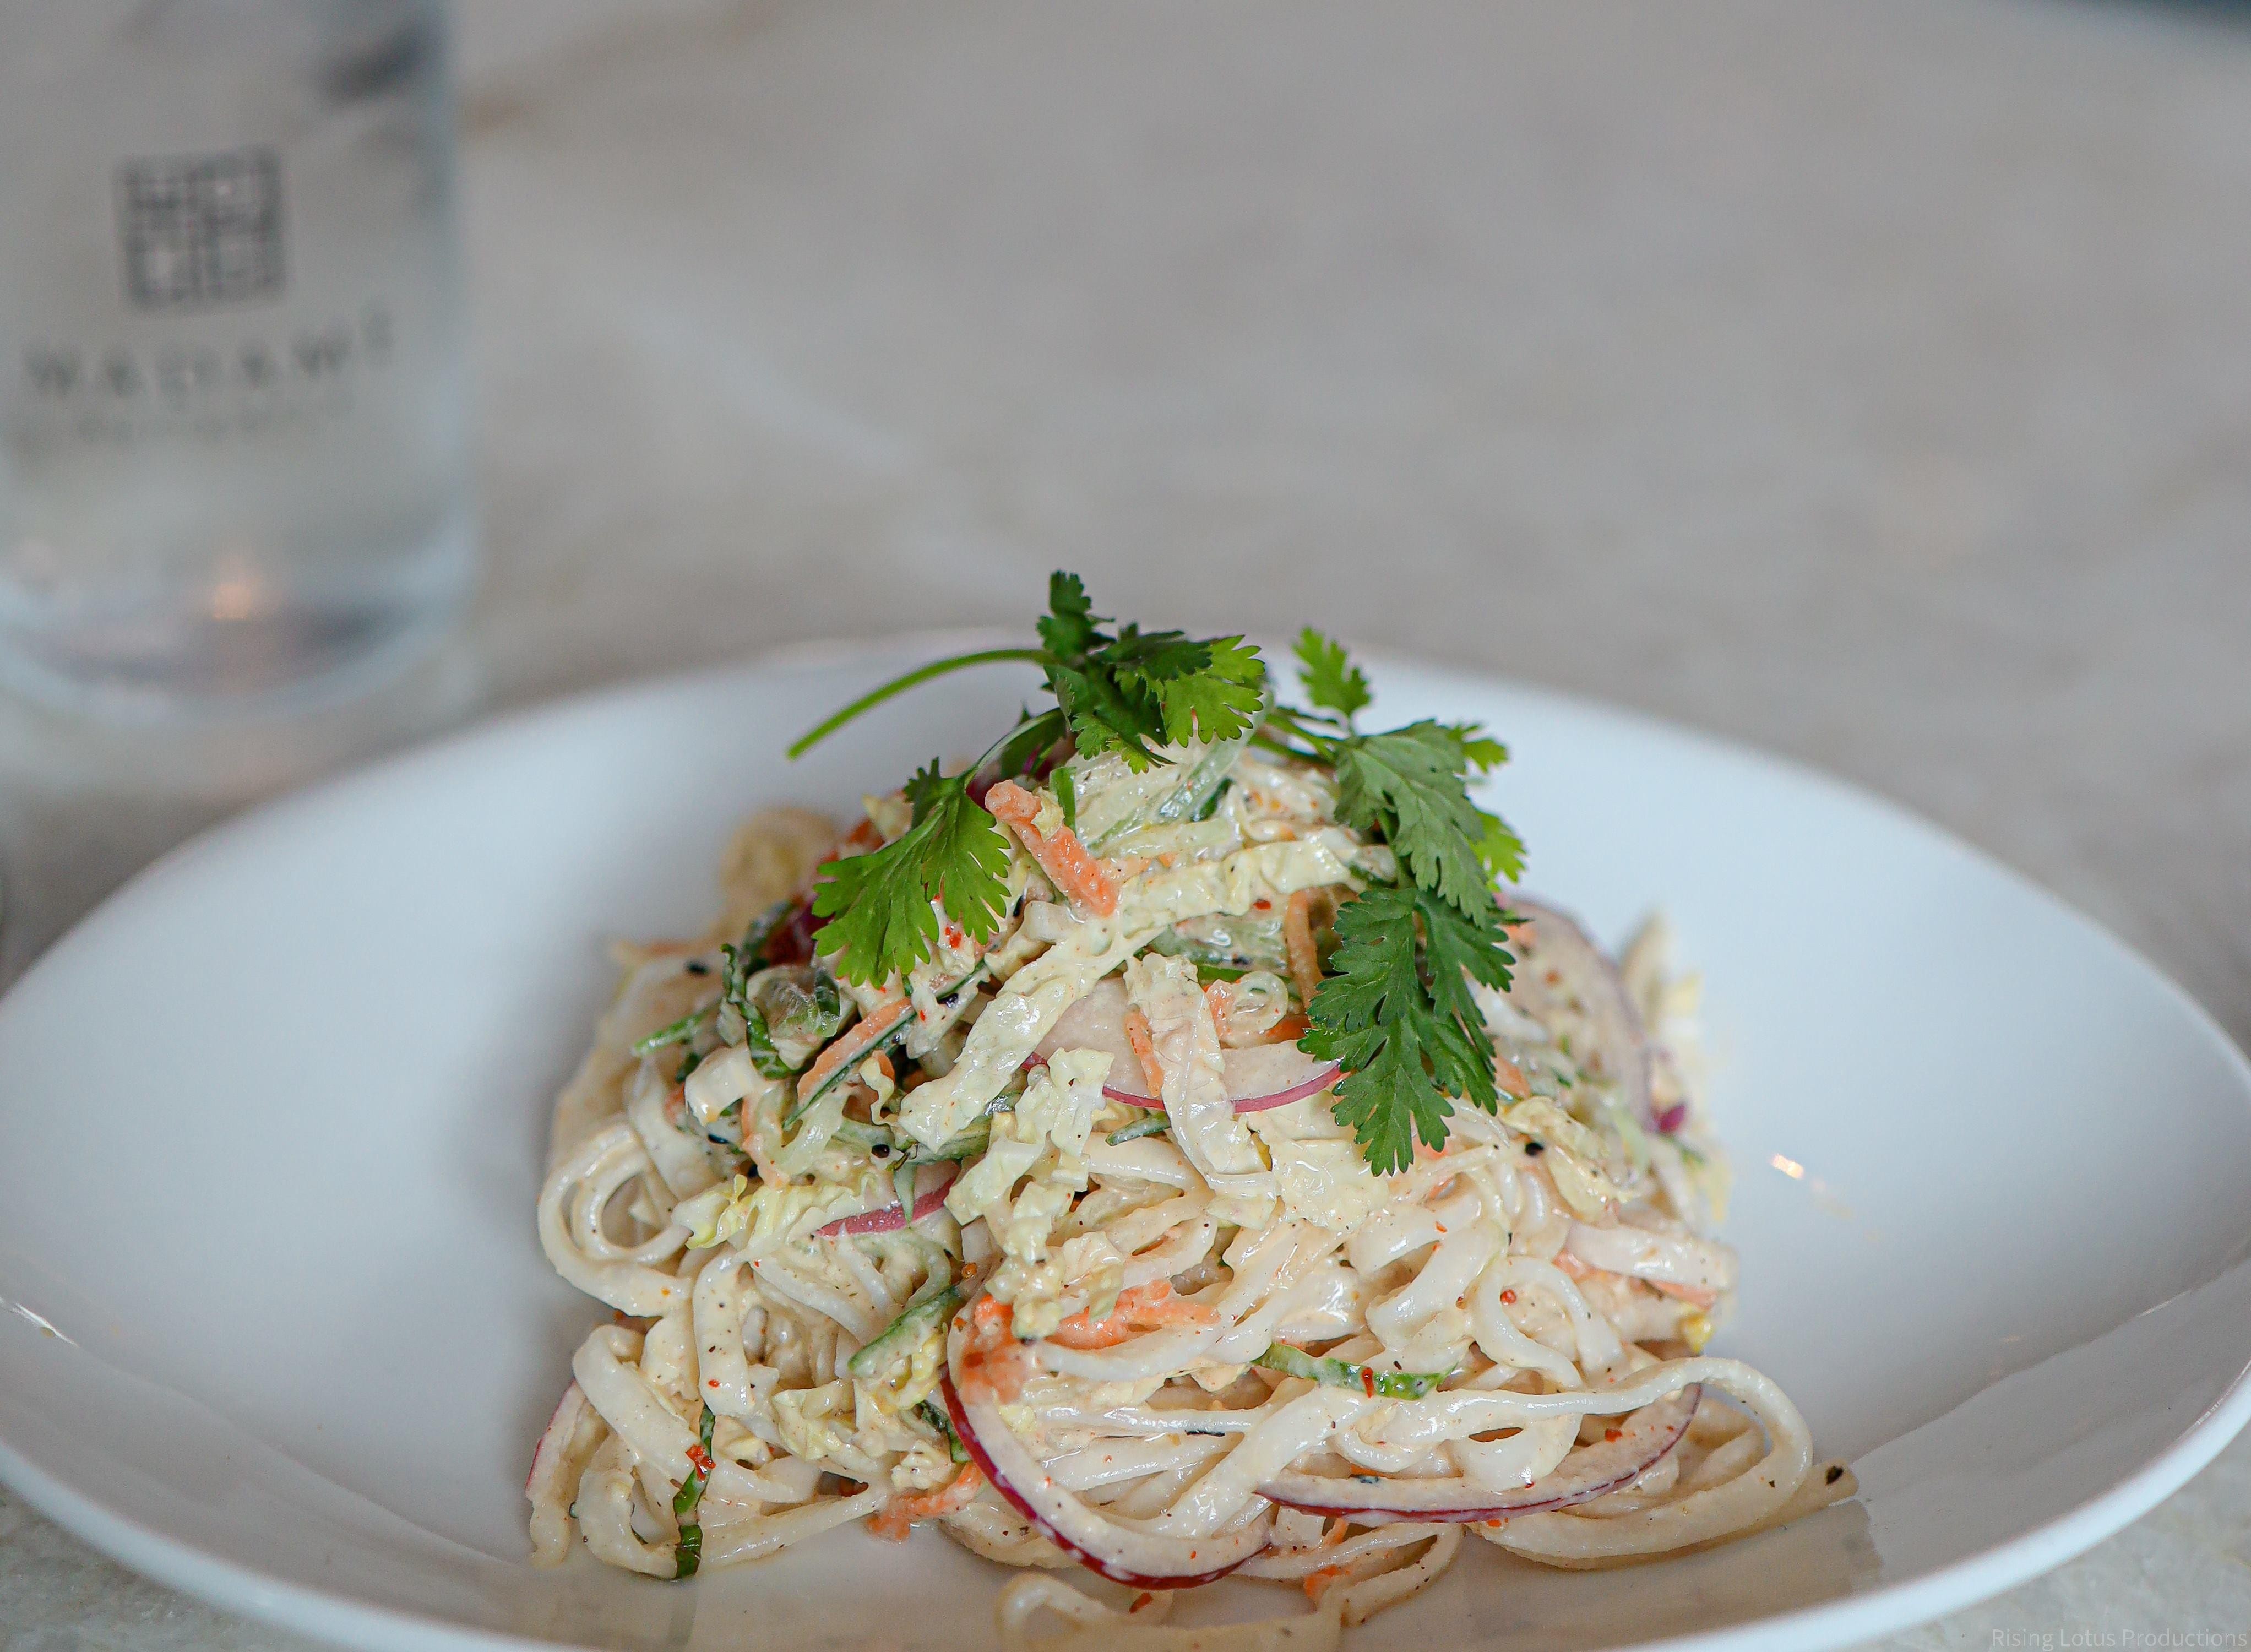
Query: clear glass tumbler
(233, 429)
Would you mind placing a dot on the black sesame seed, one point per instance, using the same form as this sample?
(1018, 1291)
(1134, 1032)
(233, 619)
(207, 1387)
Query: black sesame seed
(697, 967)
(880, 1150)
(1534, 1149)
(1836, 1472)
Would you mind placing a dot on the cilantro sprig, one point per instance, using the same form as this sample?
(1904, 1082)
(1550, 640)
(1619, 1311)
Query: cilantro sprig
(1128, 690)
(1396, 1012)
(882, 920)
(1394, 1009)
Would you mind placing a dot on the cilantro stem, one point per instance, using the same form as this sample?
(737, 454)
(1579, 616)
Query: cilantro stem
(1268, 743)
(875, 696)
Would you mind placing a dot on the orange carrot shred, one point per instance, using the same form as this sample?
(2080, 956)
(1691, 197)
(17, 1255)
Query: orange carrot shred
(848, 1050)
(1062, 857)
(1145, 1048)
(892, 1520)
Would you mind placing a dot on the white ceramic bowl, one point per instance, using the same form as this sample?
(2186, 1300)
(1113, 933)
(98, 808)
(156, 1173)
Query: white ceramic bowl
(275, 1116)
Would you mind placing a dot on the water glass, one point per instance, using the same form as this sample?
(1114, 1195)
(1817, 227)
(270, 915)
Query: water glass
(233, 434)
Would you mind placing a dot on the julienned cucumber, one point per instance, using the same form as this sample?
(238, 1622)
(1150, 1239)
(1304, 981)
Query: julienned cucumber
(883, 1046)
(1337, 1373)
(903, 1333)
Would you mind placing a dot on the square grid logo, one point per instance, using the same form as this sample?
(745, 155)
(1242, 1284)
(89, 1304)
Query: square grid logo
(201, 229)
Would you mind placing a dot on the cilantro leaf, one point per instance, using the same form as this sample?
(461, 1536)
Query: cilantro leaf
(1130, 692)
(1410, 785)
(1479, 749)
(879, 904)
(925, 790)
(1500, 849)
(1397, 1015)
(1329, 678)
(1137, 689)
(1104, 717)
(1218, 700)
(1069, 627)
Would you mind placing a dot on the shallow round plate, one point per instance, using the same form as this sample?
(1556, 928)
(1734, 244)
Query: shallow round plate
(274, 1118)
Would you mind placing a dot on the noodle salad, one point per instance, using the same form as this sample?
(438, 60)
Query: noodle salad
(1170, 1145)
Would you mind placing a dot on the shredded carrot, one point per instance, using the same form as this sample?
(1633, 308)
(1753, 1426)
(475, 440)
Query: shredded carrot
(1694, 1295)
(1317, 1582)
(1011, 804)
(1144, 1048)
(1288, 1029)
(993, 1364)
(1510, 1077)
(1060, 856)
(1144, 1308)
(1298, 935)
(892, 1520)
(848, 1050)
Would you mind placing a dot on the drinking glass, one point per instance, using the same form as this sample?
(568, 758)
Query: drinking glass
(234, 455)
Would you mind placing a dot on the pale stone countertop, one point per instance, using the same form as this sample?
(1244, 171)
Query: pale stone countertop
(1870, 382)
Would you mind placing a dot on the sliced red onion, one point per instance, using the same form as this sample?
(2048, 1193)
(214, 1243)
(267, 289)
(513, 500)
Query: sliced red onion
(888, 1219)
(1262, 1076)
(1273, 1075)
(1642, 1439)
(1098, 1022)
(1120, 1552)
(1561, 943)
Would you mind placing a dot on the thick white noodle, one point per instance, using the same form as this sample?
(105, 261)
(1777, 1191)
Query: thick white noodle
(571, 1207)
(1533, 1315)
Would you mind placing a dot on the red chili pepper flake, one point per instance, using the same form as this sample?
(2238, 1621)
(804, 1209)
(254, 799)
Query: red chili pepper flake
(1441, 1228)
(1262, 904)
(1508, 1297)
(954, 935)
(1612, 1435)
(712, 1382)
(700, 1457)
(1367, 1381)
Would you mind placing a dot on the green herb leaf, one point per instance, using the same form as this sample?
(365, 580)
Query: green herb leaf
(1411, 786)
(1397, 1014)
(688, 1555)
(925, 789)
(881, 922)
(1329, 678)
(1137, 689)
(681, 1031)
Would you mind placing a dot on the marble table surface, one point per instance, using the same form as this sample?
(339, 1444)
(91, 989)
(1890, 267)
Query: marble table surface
(1872, 384)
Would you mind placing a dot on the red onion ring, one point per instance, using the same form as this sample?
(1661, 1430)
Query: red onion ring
(1588, 1472)
(1560, 943)
(1138, 1560)
(888, 1219)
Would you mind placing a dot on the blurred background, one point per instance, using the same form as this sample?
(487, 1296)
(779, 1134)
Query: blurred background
(1871, 383)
